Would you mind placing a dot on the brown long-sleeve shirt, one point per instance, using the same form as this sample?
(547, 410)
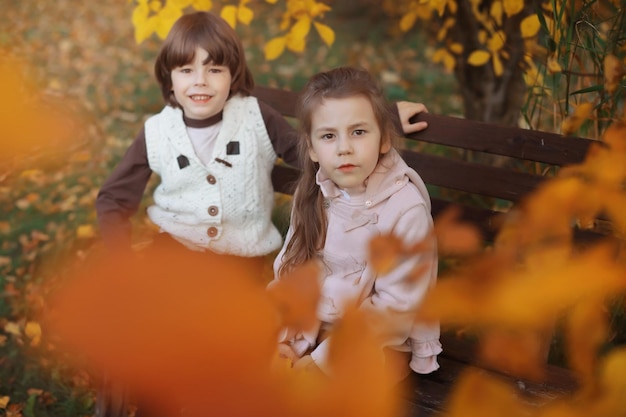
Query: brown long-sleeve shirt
(120, 196)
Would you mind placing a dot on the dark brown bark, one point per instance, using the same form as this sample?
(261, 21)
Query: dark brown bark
(486, 96)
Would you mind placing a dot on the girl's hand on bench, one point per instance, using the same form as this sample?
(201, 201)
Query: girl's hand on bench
(407, 110)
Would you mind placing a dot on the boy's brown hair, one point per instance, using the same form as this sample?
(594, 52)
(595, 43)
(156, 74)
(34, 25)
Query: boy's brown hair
(212, 33)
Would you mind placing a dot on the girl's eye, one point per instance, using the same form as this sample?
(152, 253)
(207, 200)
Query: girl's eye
(184, 70)
(359, 132)
(215, 70)
(327, 136)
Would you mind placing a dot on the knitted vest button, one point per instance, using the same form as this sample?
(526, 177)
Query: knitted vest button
(212, 231)
(211, 179)
(213, 210)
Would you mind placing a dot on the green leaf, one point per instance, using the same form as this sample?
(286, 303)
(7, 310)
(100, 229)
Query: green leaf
(591, 89)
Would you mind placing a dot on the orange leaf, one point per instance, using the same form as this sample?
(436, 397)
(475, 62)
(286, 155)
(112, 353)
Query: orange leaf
(296, 296)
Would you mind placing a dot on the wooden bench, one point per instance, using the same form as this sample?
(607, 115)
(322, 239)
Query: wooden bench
(484, 169)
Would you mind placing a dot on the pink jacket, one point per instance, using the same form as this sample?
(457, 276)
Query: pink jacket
(395, 201)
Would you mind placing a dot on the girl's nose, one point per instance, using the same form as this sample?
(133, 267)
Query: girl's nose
(344, 146)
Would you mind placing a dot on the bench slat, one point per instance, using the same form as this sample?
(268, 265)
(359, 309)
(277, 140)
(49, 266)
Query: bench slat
(472, 178)
(514, 142)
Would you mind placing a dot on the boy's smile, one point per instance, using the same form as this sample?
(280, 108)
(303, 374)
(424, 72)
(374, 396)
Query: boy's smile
(201, 88)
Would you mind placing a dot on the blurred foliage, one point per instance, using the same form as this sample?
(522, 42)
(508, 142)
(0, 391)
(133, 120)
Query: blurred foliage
(82, 57)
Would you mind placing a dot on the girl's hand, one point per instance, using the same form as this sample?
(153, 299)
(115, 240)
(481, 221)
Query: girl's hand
(408, 109)
(307, 364)
(286, 352)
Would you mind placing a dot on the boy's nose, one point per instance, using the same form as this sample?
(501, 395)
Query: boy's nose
(201, 78)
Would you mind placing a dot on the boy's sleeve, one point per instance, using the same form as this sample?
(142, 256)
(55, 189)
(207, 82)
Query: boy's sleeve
(121, 194)
(284, 136)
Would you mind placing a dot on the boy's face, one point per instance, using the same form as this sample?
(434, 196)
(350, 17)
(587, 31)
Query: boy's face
(201, 89)
(346, 141)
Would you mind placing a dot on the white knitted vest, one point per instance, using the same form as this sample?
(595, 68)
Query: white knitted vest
(222, 206)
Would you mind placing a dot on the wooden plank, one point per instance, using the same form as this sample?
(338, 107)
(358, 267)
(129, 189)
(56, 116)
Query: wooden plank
(472, 178)
(514, 142)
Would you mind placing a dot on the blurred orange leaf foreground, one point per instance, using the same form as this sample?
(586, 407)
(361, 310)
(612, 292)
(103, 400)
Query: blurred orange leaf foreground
(200, 331)
(30, 120)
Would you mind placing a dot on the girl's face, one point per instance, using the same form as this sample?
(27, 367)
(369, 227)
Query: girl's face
(201, 89)
(346, 141)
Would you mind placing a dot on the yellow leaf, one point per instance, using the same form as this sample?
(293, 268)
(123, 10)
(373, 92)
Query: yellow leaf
(271, 1)
(325, 32)
(33, 332)
(165, 20)
(202, 4)
(530, 26)
(318, 9)
(553, 65)
(301, 28)
(155, 6)
(296, 44)
(455, 48)
(498, 69)
(407, 21)
(496, 12)
(275, 48)
(179, 4)
(478, 58)
(85, 231)
(496, 42)
(4, 401)
(229, 14)
(575, 121)
(245, 15)
(512, 7)
(12, 328)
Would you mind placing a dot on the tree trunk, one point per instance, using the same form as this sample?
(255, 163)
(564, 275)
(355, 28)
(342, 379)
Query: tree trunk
(485, 96)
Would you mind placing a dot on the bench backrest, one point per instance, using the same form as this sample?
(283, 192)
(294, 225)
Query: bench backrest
(483, 168)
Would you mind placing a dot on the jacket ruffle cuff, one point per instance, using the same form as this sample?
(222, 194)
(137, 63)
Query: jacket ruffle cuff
(424, 356)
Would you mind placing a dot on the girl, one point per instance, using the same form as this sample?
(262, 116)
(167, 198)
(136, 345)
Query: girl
(355, 186)
(213, 145)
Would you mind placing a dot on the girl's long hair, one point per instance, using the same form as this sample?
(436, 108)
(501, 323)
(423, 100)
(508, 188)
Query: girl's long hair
(308, 216)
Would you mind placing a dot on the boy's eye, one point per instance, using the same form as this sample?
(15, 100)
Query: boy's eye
(215, 70)
(184, 70)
